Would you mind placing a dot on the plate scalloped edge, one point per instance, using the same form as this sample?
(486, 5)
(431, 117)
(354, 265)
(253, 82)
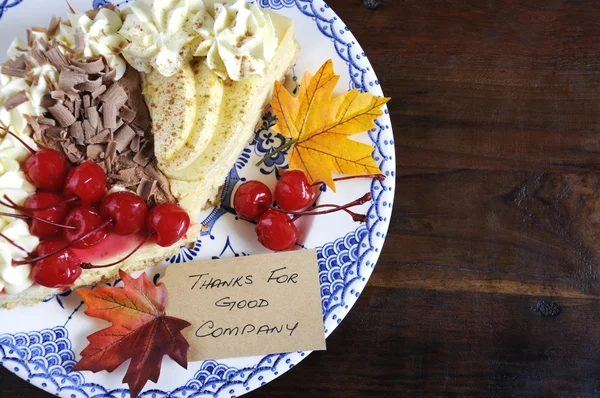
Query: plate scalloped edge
(45, 358)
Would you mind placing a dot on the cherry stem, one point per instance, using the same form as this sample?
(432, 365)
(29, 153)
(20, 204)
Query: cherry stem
(36, 259)
(91, 266)
(355, 216)
(15, 206)
(378, 177)
(30, 149)
(276, 151)
(24, 217)
(12, 242)
(362, 200)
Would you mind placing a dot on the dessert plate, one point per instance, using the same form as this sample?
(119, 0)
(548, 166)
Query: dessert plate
(42, 343)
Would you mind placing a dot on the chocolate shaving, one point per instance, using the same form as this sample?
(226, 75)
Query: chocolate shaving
(16, 99)
(90, 67)
(77, 110)
(115, 95)
(19, 62)
(99, 91)
(138, 130)
(8, 71)
(33, 123)
(87, 101)
(71, 151)
(110, 76)
(101, 138)
(47, 101)
(145, 154)
(39, 56)
(62, 115)
(46, 121)
(56, 58)
(54, 133)
(88, 131)
(67, 79)
(91, 14)
(76, 131)
(92, 116)
(43, 44)
(127, 114)
(163, 183)
(111, 150)
(70, 106)
(93, 152)
(109, 116)
(30, 37)
(125, 163)
(145, 188)
(53, 26)
(89, 85)
(127, 176)
(108, 164)
(58, 95)
(134, 145)
(79, 40)
(123, 137)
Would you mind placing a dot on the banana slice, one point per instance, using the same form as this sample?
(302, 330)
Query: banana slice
(173, 103)
(209, 89)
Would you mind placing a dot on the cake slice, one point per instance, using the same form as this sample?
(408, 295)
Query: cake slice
(226, 114)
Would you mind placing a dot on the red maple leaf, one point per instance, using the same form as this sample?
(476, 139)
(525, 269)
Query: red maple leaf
(140, 330)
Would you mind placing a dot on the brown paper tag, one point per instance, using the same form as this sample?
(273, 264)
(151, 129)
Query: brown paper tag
(254, 305)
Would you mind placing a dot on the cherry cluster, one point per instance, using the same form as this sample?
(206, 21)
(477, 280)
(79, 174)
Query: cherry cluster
(70, 210)
(293, 196)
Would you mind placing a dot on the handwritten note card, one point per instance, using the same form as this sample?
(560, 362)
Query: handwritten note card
(254, 305)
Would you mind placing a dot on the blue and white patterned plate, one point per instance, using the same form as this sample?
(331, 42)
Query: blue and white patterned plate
(41, 344)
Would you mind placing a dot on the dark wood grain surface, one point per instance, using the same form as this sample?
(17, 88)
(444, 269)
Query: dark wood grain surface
(488, 283)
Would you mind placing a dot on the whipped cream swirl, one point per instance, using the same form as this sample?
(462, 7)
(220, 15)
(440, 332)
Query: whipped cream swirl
(35, 85)
(99, 33)
(14, 185)
(241, 41)
(160, 34)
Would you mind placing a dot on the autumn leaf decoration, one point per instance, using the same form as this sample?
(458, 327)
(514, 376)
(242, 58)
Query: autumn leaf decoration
(140, 330)
(319, 126)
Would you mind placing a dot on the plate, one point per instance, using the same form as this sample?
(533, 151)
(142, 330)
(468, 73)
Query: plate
(42, 343)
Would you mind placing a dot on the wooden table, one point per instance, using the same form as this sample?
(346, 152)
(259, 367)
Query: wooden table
(488, 283)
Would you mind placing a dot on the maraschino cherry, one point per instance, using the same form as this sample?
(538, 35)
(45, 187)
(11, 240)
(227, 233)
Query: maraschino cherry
(57, 270)
(252, 199)
(86, 182)
(88, 224)
(168, 223)
(46, 169)
(276, 231)
(293, 192)
(56, 214)
(127, 212)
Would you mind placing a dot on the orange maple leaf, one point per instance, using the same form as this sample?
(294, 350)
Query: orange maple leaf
(140, 330)
(319, 126)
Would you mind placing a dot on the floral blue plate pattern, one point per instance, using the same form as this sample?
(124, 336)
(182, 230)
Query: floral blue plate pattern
(41, 344)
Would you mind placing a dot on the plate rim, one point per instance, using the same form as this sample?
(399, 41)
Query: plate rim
(359, 66)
